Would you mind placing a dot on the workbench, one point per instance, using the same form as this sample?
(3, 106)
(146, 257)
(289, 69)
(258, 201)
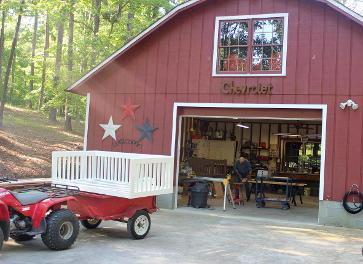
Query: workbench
(290, 193)
(294, 186)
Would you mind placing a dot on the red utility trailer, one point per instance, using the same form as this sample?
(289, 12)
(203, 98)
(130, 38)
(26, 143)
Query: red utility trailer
(92, 208)
(90, 187)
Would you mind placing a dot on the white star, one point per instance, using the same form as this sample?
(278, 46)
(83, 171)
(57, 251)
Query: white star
(110, 129)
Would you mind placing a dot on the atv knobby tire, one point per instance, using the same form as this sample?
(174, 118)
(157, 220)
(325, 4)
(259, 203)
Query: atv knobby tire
(1, 238)
(91, 223)
(22, 237)
(62, 230)
(139, 225)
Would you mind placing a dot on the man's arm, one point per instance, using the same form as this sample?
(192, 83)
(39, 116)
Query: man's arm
(236, 168)
(249, 174)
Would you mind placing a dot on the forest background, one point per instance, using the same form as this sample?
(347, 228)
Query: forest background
(46, 45)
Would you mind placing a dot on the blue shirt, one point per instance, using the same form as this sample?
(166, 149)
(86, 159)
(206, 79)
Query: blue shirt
(243, 169)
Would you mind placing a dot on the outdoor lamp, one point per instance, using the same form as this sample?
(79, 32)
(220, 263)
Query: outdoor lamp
(349, 103)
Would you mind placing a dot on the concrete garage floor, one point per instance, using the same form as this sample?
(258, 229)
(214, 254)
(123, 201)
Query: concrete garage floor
(202, 236)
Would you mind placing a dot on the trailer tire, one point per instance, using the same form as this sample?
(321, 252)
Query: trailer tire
(1, 238)
(22, 237)
(62, 230)
(91, 223)
(139, 225)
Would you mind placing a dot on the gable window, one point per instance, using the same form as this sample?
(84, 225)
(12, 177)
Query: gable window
(250, 45)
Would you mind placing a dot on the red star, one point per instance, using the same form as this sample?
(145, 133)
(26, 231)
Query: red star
(129, 110)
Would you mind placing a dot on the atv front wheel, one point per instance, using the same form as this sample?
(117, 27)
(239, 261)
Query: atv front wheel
(1, 238)
(22, 237)
(91, 223)
(139, 225)
(62, 230)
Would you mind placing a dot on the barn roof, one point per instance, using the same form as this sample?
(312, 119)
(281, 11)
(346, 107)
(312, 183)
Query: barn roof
(358, 18)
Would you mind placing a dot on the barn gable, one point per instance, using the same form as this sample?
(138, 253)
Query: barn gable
(170, 16)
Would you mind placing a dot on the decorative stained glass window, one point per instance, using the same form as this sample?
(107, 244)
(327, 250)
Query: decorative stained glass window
(250, 46)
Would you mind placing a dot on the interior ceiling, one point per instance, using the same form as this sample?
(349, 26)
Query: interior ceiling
(274, 121)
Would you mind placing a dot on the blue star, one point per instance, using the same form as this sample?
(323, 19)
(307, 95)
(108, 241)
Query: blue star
(146, 131)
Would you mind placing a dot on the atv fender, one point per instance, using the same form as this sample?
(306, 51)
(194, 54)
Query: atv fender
(42, 208)
(4, 220)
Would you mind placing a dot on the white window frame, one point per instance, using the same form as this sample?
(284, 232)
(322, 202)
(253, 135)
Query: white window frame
(262, 16)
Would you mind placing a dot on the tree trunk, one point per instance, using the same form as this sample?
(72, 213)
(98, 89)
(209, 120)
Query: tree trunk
(12, 81)
(78, 115)
(53, 115)
(68, 120)
(10, 61)
(130, 21)
(85, 53)
(2, 40)
(68, 124)
(58, 62)
(97, 6)
(32, 65)
(58, 58)
(115, 19)
(44, 70)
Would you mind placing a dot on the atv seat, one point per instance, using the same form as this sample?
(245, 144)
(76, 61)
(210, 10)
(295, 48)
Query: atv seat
(31, 197)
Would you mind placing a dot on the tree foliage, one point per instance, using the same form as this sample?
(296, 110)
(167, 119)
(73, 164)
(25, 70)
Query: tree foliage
(99, 28)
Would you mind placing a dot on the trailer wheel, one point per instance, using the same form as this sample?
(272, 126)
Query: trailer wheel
(1, 238)
(62, 230)
(91, 223)
(139, 225)
(22, 237)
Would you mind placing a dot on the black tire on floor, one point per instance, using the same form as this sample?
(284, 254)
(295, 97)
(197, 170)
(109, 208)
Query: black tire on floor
(22, 237)
(139, 225)
(91, 223)
(1, 238)
(356, 209)
(62, 230)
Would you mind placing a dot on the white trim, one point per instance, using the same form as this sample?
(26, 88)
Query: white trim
(345, 9)
(86, 122)
(322, 107)
(216, 39)
(322, 154)
(177, 164)
(256, 117)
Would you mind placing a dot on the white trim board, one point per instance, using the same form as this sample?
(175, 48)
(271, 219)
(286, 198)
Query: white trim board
(177, 125)
(86, 122)
(334, 4)
(285, 16)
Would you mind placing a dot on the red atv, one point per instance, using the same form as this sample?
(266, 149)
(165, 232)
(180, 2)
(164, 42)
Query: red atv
(41, 211)
(27, 213)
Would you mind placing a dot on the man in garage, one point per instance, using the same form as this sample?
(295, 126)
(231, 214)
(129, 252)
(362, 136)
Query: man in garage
(243, 170)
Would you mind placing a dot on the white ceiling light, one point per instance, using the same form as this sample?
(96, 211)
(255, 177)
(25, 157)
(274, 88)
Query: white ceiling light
(282, 134)
(242, 126)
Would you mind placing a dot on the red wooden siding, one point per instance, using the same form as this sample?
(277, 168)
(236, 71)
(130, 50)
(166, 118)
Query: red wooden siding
(174, 64)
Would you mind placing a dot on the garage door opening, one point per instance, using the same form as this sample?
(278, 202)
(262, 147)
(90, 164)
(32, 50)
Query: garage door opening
(285, 151)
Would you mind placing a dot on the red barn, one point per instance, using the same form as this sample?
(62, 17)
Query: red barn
(276, 81)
